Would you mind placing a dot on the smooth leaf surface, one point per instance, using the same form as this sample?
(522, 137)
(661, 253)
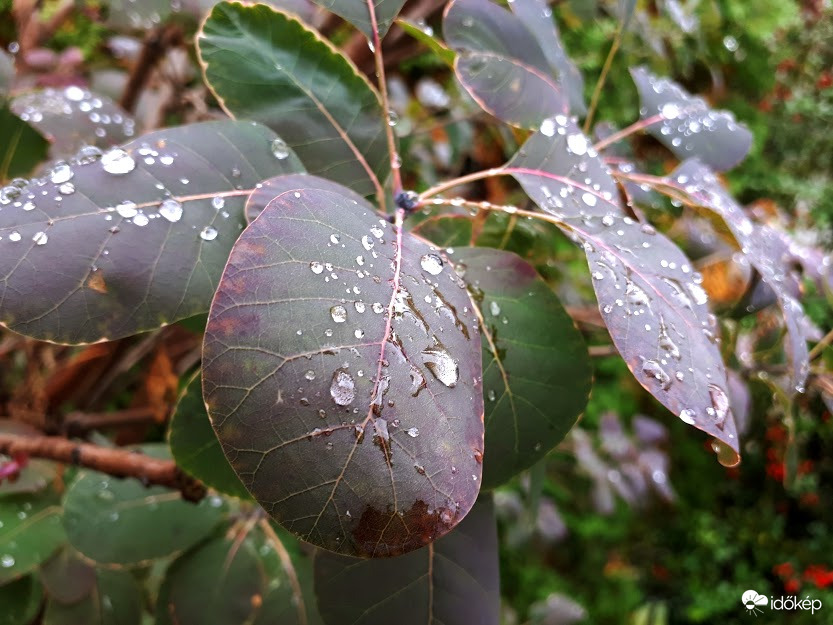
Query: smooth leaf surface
(357, 12)
(425, 35)
(30, 532)
(764, 249)
(341, 372)
(97, 505)
(72, 117)
(454, 581)
(21, 150)
(267, 66)
(66, 578)
(501, 64)
(110, 245)
(651, 299)
(274, 187)
(536, 15)
(114, 599)
(219, 583)
(195, 447)
(536, 370)
(690, 128)
(20, 601)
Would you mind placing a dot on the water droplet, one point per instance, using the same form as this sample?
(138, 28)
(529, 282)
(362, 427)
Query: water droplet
(494, 308)
(367, 242)
(360, 307)
(208, 233)
(393, 118)
(338, 313)
(726, 456)
(279, 149)
(117, 162)
(441, 364)
(491, 395)
(720, 405)
(40, 238)
(342, 388)
(316, 267)
(171, 210)
(127, 209)
(431, 263)
(218, 202)
(310, 374)
(14, 236)
(577, 144)
(7, 561)
(412, 432)
(687, 416)
(60, 173)
(548, 127)
(67, 188)
(377, 308)
(654, 370)
(334, 239)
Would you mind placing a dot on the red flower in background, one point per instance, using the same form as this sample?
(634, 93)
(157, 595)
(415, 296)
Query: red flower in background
(819, 575)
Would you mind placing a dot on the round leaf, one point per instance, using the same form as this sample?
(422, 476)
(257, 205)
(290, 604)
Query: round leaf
(195, 447)
(341, 374)
(107, 247)
(455, 581)
(66, 577)
(99, 505)
(115, 599)
(30, 532)
(265, 65)
(536, 370)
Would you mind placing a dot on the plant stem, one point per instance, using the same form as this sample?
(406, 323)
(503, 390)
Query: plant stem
(116, 462)
(456, 182)
(395, 162)
(818, 348)
(288, 567)
(642, 124)
(594, 100)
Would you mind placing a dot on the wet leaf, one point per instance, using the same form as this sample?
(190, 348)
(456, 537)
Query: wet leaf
(532, 353)
(20, 601)
(140, 234)
(267, 66)
(220, 582)
(313, 389)
(67, 578)
(500, 63)
(73, 117)
(537, 17)
(195, 447)
(764, 250)
(454, 581)
(446, 230)
(562, 173)
(22, 148)
(357, 13)
(274, 187)
(651, 299)
(690, 128)
(30, 532)
(425, 35)
(115, 599)
(97, 505)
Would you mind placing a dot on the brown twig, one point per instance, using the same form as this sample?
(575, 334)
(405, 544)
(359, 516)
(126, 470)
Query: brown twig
(77, 423)
(156, 44)
(115, 462)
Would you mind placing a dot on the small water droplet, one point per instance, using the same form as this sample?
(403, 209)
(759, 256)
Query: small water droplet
(208, 233)
(654, 370)
(494, 308)
(310, 374)
(40, 238)
(412, 432)
(316, 267)
(171, 210)
(117, 162)
(7, 561)
(279, 149)
(338, 313)
(127, 209)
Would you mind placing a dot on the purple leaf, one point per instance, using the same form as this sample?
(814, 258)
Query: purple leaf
(342, 374)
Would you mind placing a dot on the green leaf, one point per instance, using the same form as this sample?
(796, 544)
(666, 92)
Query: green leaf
(500, 63)
(72, 117)
(454, 581)
(30, 532)
(357, 12)
(67, 578)
(426, 37)
(114, 599)
(265, 65)
(446, 230)
(20, 601)
(219, 583)
(140, 234)
(97, 505)
(359, 432)
(195, 447)
(21, 149)
(536, 370)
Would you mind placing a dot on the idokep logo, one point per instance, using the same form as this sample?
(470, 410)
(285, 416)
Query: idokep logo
(755, 603)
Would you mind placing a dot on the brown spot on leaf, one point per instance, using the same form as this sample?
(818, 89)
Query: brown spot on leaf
(96, 282)
(384, 534)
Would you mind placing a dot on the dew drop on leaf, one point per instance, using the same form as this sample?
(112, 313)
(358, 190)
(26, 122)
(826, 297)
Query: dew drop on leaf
(117, 162)
(316, 267)
(127, 209)
(279, 149)
(338, 313)
(441, 365)
(342, 388)
(40, 238)
(60, 173)
(171, 210)
(412, 432)
(208, 233)
(431, 263)
(577, 143)
(654, 370)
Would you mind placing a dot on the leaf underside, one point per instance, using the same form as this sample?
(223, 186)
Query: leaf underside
(109, 246)
(341, 374)
(455, 581)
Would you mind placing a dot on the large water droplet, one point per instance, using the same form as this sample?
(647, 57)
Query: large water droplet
(342, 388)
(577, 144)
(654, 370)
(127, 209)
(171, 210)
(316, 267)
(279, 149)
(40, 238)
(118, 162)
(431, 263)
(412, 432)
(7, 561)
(208, 233)
(441, 364)
(60, 173)
(338, 313)
(720, 405)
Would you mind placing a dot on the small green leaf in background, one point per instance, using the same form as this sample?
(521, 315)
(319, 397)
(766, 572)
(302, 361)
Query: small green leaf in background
(357, 13)
(22, 148)
(98, 505)
(195, 447)
(115, 598)
(426, 37)
(30, 532)
(20, 601)
(265, 65)
(536, 370)
(66, 577)
(454, 581)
